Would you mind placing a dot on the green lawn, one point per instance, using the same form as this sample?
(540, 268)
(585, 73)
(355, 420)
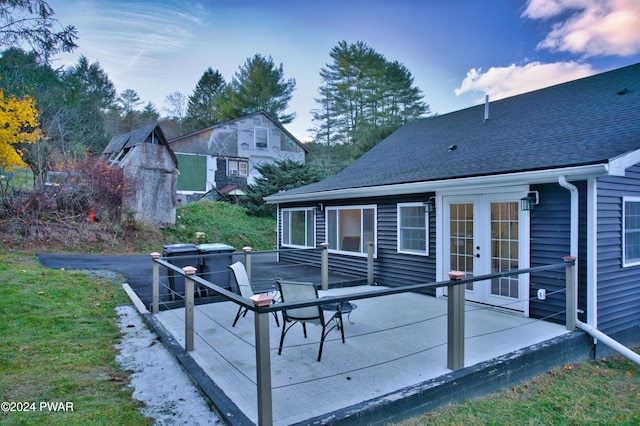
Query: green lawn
(602, 392)
(57, 337)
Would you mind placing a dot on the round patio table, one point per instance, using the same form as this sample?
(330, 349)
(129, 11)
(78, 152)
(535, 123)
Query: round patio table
(343, 307)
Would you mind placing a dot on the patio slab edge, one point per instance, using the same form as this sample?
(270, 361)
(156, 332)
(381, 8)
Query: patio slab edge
(467, 383)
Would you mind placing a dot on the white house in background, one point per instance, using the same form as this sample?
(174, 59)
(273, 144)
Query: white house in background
(225, 156)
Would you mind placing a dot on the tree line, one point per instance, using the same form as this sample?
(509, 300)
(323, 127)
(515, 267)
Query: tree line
(363, 97)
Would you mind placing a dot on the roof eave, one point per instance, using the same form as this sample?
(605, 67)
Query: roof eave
(509, 179)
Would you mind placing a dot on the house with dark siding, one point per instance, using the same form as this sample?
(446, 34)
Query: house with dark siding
(225, 157)
(511, 184)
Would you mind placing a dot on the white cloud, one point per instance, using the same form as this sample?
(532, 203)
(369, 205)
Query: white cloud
(502, 82)
(594, 27)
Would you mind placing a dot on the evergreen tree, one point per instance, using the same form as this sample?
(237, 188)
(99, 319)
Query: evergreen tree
(128, 102)
(364, 98)
(148, 115)
(201, 108)
(88, 94)
(258, 85)
(278, 176)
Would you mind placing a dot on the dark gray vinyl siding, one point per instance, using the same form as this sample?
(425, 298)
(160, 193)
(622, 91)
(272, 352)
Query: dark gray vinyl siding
(618, 287)
(390, 267)
(550, 242)
(397, 269)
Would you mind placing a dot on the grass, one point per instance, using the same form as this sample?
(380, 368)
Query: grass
(20, 179)
(57, 338)
(222, 223)
(601, 392)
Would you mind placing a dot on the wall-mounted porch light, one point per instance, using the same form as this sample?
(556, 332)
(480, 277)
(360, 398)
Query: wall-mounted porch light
(532, 199)
(430, 205)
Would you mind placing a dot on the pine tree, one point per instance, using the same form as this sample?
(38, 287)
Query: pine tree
(364, 98)
(201, 108)
(258, 85)
(274, 177)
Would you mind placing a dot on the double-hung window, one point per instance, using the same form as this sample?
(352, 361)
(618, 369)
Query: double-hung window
(631, 230)
(413, 229)
(350, 228)
(237, 168)
(298, 227)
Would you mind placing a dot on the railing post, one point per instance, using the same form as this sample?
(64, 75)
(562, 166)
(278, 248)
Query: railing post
(324, 267)
(571, 292)
(263, 360)
(188, 307)
(455, 322)
(247, 260)
(155, 284)
(369, 263)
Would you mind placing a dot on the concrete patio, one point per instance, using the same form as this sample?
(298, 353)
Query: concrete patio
(396, 348)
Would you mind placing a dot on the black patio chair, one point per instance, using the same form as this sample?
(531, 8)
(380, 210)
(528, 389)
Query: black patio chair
(296, 291)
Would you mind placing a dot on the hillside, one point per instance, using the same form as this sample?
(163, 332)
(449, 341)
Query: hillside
(221, 223)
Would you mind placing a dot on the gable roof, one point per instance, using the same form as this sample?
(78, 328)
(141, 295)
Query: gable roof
(146, 134)
(583, 122)
(210, 129)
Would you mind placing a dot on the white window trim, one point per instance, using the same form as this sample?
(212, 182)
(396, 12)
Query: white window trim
(375, 228)
(625, 264)
(255, 137)
(242, 172)
(230, 171)
(398, 239)
(238, 169)
(304, 209)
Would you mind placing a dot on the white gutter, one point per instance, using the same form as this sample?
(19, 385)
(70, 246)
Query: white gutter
(597, 334)
(509, 179)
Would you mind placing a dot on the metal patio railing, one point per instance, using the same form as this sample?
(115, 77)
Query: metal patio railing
(262, 307)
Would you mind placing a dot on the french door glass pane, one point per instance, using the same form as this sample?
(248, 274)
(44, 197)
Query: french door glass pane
(504, 247)
(461, 239)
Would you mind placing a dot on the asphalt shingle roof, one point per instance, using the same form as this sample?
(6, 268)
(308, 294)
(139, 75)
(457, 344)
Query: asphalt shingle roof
(582, 122)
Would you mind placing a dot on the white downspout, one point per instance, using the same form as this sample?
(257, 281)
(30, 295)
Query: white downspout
(613, 344)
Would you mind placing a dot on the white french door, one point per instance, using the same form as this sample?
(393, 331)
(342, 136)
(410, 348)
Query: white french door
(483, 234)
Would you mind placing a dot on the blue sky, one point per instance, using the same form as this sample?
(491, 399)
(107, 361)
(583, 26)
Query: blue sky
(456, 50)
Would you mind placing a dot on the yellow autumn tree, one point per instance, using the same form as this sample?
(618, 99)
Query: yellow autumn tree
(18, 124)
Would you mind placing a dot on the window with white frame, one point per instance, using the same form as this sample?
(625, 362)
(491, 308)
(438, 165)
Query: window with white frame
(261, 137)
(631, 230)
(413, 229)
(298, 227)
(350, 228)
(237, 168)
